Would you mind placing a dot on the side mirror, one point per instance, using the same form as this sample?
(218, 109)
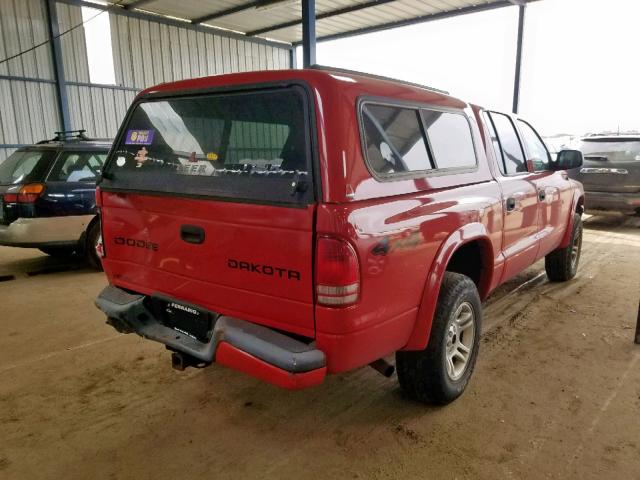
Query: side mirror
(567, 160)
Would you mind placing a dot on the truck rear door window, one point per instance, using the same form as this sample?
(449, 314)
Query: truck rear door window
(512, 155)
(252, 146)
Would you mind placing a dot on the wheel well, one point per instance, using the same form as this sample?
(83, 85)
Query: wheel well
(580, 206)
(473, 260)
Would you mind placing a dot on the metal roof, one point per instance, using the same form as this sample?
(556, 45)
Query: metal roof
(280, 20)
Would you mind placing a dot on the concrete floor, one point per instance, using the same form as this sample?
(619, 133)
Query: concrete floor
(556, 392)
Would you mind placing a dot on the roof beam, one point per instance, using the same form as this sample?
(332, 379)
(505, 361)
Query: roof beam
(421, 19)
(136, 4)
(332, 13)
(232, 10)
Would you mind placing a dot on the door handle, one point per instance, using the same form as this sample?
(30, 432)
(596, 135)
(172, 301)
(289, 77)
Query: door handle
(192, 234)
(511, 204)
(542, 195)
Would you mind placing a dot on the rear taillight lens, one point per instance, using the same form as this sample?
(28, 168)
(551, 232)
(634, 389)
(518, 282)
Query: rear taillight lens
(10, 198)
(337, 273)
(30, 193)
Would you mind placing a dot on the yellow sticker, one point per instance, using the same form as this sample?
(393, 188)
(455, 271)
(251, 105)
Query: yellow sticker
(212, 156)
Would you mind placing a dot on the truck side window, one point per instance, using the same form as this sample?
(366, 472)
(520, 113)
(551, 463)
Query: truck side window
(537, 150)
(450, 139)
(512, 154)
(394, 142)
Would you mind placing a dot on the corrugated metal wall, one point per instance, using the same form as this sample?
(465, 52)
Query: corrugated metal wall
(145, 53)
(28, 109)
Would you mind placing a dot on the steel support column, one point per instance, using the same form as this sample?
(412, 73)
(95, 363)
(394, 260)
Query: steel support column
(58, 66)
(308, 33)
(516, 83)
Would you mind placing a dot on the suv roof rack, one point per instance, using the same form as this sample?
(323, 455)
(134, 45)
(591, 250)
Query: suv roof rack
(66, 135)
(326, 68)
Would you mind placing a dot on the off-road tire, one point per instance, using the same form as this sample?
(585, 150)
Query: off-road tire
(423, 374)
(562, 264)
(91, 238)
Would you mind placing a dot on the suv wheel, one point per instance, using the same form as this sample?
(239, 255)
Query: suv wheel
(562, 264)
(440, 373)
(92, 239)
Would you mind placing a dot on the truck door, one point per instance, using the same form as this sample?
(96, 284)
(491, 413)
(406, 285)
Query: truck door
(554, 192)
(520, 199)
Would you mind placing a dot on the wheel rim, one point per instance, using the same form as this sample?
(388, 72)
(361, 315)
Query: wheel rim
(460, 337)
(575, 250)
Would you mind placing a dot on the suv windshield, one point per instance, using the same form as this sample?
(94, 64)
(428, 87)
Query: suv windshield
(622, 150)
(25, 166)
(248, 146)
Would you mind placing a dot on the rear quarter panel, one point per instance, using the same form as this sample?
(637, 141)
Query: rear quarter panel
(398, 229)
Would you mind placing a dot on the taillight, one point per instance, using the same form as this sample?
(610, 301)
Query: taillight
(10, 197)
(98, 197)
(30, 193)
(337, 273)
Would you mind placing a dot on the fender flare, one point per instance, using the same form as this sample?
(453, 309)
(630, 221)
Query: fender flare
(578, 200)
(419, 337)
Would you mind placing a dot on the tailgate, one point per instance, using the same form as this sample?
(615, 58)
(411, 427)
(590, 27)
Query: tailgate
(611, 164)
(253, 262)
(209, 199)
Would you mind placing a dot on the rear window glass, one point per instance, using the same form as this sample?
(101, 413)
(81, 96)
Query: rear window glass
(450, 139)
(611, 150)
(248, 146)
(393, 139)
(78, 167)
(24, 166)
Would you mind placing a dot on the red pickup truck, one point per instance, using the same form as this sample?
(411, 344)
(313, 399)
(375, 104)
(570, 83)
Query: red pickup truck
(291, 224)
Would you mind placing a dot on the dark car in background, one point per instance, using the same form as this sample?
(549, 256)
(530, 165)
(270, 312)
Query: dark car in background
(47, 195)
(610, 173)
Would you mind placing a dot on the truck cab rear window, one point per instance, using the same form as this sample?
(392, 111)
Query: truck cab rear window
(400, 140)
(246, 146)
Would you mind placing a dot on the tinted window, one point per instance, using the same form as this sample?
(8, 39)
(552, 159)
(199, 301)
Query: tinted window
(252, 145)
(393, 139)
(512, 154)
(494, 141)
(535, 146)
(24, 166)
(450, 139)
(78, 167)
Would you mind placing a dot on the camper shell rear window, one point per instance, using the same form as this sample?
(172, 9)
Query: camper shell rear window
(251, 145)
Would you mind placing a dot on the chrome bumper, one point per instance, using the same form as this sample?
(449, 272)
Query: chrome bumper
(35, 232)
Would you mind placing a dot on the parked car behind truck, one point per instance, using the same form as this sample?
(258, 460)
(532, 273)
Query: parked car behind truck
(611, 173)
(294, 224)
(47, 195)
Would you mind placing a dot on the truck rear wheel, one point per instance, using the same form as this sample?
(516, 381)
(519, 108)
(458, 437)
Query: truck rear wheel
(562, 264)
(440, 373)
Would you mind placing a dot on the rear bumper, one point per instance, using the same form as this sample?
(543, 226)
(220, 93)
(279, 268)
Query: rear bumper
(253, 349)
(44, 231)
(617, 202)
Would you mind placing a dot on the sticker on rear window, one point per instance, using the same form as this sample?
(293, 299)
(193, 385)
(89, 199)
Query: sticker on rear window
(139, 137)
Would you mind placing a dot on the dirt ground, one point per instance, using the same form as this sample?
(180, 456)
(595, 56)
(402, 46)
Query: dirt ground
(556, 392)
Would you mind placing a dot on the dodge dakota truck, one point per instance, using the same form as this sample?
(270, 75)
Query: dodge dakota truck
(293, 224)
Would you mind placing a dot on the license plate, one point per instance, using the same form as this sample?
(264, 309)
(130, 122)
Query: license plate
(186, 319)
